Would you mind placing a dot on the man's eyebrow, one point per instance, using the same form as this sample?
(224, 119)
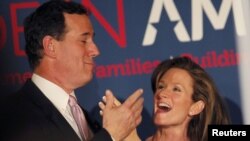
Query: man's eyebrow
(87, 34)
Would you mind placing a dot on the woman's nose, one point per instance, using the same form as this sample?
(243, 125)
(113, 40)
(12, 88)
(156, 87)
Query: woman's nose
(163, 94)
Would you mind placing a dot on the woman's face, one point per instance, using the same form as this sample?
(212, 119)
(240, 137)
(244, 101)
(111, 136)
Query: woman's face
(173, 98)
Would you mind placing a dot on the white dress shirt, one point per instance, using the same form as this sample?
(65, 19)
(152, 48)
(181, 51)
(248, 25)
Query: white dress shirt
(58, 97)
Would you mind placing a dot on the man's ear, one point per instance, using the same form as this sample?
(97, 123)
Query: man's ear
(196, 108)
(48, 46)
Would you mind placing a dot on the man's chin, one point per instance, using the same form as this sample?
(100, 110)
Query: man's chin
(87, 80)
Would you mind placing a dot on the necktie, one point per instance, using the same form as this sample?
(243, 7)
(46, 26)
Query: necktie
(79, 118)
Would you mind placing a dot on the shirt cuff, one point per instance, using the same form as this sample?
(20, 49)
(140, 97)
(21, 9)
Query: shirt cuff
(112, 138)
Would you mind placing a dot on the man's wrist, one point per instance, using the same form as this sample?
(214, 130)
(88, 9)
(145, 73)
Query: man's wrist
(111, 135)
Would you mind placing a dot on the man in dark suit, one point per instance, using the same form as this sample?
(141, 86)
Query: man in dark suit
(60, 49)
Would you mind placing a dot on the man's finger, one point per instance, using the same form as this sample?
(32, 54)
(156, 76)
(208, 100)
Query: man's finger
(109, 99)
(101, 105)
(137, 110)
(138, 121)
(133, 98)
(101, 112)
(137, 105)
(117, 102)
(104, 99)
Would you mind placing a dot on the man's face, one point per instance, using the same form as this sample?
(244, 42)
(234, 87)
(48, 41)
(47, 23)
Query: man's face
(75, 52)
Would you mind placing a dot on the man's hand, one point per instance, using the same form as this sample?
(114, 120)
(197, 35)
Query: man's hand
(121, 120)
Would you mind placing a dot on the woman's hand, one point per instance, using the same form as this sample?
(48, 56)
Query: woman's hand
(133, 136)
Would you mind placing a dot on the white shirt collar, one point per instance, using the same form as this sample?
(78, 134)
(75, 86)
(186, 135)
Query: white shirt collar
(53, 92)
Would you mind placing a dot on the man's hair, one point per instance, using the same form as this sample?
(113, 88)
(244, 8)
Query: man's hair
(48, 19)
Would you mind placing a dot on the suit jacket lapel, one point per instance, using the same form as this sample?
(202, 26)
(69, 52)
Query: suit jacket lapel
(52, 114)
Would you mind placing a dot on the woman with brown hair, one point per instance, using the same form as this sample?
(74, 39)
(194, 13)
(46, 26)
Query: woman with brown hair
(186, 101)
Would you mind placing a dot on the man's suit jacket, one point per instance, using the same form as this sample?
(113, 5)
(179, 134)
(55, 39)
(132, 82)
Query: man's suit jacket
(29, 116)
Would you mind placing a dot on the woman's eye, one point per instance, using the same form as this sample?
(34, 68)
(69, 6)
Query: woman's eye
(160, 87)
(176, 89)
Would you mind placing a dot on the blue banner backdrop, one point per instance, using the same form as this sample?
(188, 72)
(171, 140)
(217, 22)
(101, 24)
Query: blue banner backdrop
(133, 37)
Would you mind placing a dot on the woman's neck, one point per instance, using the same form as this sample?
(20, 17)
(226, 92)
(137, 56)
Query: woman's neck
(170, 134)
